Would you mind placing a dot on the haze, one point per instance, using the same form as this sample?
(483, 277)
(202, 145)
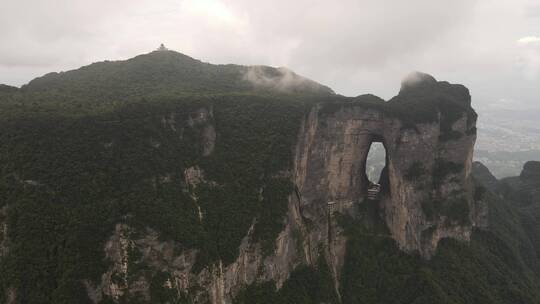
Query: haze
(355, 47)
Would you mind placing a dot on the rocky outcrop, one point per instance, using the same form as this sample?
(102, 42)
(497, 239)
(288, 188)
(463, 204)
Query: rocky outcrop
(484, 176)
(426, 185)
(3, 232)
(531, 171)
(10, 292)
(135, 261)
(523, 190)
(139, 259)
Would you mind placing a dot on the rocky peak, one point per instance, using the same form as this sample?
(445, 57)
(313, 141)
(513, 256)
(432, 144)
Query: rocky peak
(531, 171)
(426, 187)
(421, 90)
(484, 176)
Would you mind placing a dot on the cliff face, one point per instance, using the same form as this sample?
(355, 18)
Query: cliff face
(138, 258)
(3, 232)
(531, 171)
(426, 194)
(426, 189)
(523, 190)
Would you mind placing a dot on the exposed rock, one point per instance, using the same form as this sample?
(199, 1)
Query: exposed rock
(219, 283)
(194, 176)
(531, 171)
(125, 279)
(209, 140)
(331, 160)
(201, 116)
(11, 296)
(483, 175)
(115, 282)
(524, 189)
(170, 122)
(3, 232)
(200, 119)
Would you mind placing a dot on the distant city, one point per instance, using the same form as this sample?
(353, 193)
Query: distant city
(507, 139)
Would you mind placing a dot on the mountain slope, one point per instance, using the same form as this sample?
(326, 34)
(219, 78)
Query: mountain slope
(167, 73)
(162, 179)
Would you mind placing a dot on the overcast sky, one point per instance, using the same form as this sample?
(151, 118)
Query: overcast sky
(355, 47)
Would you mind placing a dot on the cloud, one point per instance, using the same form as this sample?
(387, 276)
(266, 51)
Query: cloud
(280, 79)
(532, 11)
(354, 46)
(416, 78)
(528, 59)
(529, 40)
(350, 34)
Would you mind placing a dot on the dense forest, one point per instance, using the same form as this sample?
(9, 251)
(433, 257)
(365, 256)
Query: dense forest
(84, 150)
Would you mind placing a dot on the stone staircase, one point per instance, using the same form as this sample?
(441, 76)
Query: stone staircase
(373, 191)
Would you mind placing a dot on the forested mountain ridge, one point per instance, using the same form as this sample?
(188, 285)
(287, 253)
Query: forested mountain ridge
(169, 71)
(166, 73)
(162, 179)
(105, 86)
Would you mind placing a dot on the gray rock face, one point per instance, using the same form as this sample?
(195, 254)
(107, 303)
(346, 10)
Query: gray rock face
(523, 190)
(531, 171)
(215, 284)
(426, 194)
(483, 175)
(3, 232)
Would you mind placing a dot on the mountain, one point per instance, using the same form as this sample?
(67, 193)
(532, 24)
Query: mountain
(520, 223)
(166, 73)
(5, 89)
(163, 179)
(169, 71)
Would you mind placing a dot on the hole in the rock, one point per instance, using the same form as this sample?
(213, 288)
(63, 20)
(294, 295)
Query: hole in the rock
(375, 162)
(375, 175)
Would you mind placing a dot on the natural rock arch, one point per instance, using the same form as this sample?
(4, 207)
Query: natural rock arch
(427, 161)
(378, 184)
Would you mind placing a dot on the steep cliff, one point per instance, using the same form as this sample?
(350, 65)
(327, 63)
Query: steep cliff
(426, 191)
(531, 171)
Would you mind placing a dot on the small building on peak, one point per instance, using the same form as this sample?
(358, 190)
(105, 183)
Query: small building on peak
(162, 48)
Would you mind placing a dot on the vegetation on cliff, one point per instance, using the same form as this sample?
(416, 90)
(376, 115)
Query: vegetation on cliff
(109, 143)
(500, 265)
(67, 181)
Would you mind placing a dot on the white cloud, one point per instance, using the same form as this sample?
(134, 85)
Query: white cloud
(528, 59)
(354, 46)
(529, 40)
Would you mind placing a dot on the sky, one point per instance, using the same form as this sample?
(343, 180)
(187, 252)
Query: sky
(355, 47)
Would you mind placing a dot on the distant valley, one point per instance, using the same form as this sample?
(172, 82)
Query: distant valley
(507, 139)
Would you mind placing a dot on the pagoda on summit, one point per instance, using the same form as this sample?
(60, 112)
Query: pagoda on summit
(162, 48)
